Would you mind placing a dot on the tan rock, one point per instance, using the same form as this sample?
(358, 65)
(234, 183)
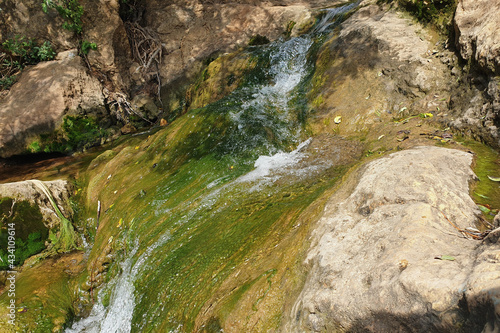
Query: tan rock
(26, 18)
(193, 30)
(372, 262)
(44, 93)
(104, 27)
(128, 129)
(478, 32)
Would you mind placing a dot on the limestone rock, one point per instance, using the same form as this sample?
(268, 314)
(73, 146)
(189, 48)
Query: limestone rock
(44, 93)
(478, 32)
(381, 64)
(372, 262)
(26, 18)
(104, 27)
(27, 190)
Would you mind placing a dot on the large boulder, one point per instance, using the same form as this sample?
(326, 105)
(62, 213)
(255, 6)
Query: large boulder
(374, 260)
(26, 18)
(104, 27)
(478, 32)
(37, 103)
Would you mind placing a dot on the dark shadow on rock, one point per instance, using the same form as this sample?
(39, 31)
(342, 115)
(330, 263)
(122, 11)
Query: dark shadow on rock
(476, 315)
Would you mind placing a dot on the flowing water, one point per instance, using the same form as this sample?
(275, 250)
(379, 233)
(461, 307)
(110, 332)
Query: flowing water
(232, 182)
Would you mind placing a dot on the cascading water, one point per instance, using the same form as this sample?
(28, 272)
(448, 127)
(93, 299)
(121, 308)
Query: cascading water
(210, 192)
(116, 317)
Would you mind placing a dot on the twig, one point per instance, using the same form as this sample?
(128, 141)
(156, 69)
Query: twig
(466, 233)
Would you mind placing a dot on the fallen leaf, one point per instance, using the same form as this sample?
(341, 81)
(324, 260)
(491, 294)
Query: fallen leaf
(445, 257)
(481, 196)
(426, 115)
(495, 179)
(380, 137)
(337, 119)
(484, 209)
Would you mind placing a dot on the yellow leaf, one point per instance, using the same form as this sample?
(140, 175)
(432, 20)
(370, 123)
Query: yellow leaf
(338, 119)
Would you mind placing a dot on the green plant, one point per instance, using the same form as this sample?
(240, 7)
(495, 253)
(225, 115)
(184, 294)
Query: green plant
(34, 147)
(86, 46)
(19, 52)
(70, 10)
(44, 52)
(437, 12)
(67, 235)
(76, 133)
(27, 51)
(7, 81)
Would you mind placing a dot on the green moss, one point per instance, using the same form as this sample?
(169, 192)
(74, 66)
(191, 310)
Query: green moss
(437, 12)
(29, 231)
(77, 133)
(289, 28)
(486, 163)
(45, 294)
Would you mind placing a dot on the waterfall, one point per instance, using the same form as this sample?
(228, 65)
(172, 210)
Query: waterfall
(261, 115)
(117, 317)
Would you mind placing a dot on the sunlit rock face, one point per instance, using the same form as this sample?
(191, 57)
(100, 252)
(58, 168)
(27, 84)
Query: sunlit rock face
(478, 32)
(390, 256)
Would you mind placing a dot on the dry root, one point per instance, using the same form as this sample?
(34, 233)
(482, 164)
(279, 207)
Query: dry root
(147, 49)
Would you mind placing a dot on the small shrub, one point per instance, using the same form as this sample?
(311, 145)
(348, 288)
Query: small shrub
(28, 51)
(34, 147)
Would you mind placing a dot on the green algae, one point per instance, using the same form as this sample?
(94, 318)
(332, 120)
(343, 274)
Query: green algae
(44, 304)
(182, 182)
(486, 163)
(30, 231)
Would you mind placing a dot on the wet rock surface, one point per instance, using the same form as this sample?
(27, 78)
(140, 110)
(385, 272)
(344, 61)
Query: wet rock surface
(27, 190)
(373, 263)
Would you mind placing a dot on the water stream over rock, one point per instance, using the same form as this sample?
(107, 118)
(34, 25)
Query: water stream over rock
(230, 184)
